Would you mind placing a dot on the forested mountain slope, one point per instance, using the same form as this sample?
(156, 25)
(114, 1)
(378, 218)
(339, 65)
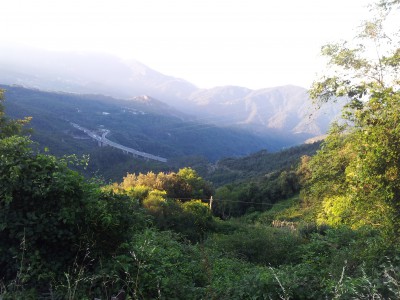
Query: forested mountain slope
(285, 110)
(142, 123)
(170, 235)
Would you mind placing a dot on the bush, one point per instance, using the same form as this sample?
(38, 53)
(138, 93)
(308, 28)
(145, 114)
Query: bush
(50, 217)
(191, 219)
(263, 246)
(155, 265)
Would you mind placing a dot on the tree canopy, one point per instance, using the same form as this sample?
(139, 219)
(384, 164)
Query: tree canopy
(355, 176)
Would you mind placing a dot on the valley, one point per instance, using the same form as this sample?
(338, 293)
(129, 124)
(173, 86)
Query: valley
(284, 110)
(120, 182)
(150, 112)
(103, 141)
(142, 123)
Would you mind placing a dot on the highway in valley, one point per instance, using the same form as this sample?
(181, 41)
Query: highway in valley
(102, 140)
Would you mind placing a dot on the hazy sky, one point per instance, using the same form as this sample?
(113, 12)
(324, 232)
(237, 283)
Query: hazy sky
(251, 43)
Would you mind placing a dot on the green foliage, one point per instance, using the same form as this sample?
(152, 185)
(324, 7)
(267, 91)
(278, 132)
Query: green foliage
(50, 215)
(258, 165)
(192, 219)
(184, 185)
(199, 188)
(39, 204)
(250, 282)
(155, 201)
(263, 246)
(97, 242)
(265, 179)
(337, 255)
(170, 199)
(197, 221)
(290, 210)
(340, 263)
(354, 177)
(324, 174)
(63, 237)
(112, 220)
(357, 179)
(255, 195)
(373, 175)
(155, 265)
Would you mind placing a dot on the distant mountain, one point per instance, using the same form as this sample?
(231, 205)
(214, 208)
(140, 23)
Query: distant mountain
(287, 109)
(88, 73)
(280, 111)
(153, 105)
(141, 123)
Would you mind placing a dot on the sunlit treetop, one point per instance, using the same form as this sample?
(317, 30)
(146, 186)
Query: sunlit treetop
(367, 63)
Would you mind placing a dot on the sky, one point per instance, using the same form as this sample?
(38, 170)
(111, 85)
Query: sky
(250, 43)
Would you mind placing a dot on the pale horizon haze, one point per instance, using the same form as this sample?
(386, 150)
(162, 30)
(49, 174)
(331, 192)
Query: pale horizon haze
(252, 43)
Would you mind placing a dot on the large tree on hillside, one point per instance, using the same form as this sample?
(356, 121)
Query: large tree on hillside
(356, 175)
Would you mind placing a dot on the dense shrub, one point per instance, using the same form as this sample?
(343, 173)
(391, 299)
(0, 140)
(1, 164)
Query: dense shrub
(50, 216)
(191, 219)
(154, 265)
(263, 246)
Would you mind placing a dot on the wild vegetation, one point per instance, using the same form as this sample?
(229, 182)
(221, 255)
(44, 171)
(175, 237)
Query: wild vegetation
(327, 228)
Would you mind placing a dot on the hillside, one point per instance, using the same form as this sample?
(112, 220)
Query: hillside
(317, 221)
(142, 123)
(284, 110)
(147, 236)
(257, 165)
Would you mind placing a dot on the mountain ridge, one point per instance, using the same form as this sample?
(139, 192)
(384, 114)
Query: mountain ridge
(285, 108)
